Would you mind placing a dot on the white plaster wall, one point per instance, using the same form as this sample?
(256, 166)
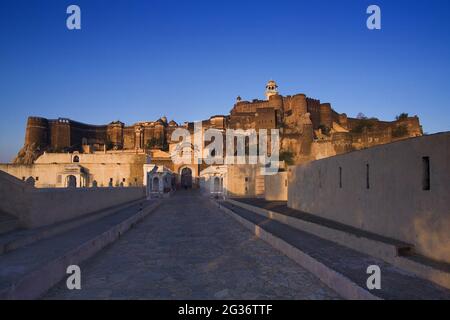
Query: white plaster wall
(102, 173)
(236, 185)
(14, 196)
(98, 157)
(208, 176)
(395, 205)
(276, 187)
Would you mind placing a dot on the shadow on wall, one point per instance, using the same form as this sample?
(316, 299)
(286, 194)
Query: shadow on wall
(276, 187)
(40, 207)
(438, 241)
(398, 190)
(241, 180)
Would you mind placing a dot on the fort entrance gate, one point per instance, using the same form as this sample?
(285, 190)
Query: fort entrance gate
(71, 181)
(186, 178)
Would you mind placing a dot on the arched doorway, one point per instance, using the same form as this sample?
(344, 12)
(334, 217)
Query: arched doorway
(217, 185)
(186, 178)
(71, 181)
(155, 184)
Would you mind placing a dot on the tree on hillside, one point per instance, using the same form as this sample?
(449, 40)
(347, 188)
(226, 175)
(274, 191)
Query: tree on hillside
(402, 116)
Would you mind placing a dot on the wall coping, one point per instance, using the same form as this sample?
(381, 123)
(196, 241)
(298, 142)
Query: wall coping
(386, 145)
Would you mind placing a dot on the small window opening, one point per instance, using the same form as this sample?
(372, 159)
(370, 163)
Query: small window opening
(426, 173)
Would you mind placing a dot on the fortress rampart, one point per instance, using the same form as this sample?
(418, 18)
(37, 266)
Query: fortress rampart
(302, 120)
(37, 132)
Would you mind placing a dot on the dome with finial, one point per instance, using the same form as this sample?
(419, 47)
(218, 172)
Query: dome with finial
(271, 88)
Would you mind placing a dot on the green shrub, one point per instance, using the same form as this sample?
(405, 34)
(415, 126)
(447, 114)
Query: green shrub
(109, 145)
(400, 131)
(287, 156)
(402, 116)
(155, 143)
(325, 130)
(367, 123)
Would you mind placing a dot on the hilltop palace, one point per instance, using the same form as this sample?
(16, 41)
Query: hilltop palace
(63, 153)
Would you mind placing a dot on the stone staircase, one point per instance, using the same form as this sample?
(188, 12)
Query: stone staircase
(390, 250)
(338, 254)
(18, 237)
(32, 261)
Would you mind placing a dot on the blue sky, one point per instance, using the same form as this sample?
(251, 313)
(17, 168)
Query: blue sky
(138, 60)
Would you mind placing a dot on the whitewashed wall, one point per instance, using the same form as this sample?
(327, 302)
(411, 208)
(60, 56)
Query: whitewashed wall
(391, 200)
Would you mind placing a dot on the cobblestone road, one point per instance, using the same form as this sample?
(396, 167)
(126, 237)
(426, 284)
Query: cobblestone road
(187, 249)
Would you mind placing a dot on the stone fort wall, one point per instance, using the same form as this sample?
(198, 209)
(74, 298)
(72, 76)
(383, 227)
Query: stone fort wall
(306, 126)
(66, 133)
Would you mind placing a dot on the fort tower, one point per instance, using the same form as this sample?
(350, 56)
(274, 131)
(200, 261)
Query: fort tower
(271, 89)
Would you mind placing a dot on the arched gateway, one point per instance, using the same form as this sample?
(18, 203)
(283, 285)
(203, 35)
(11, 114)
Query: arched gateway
(186, 178)
(71, 181)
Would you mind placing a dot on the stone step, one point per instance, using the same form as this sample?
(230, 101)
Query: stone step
(19, 238)
(30, 271)
(342, 269)
(346, 235)
(390, 250)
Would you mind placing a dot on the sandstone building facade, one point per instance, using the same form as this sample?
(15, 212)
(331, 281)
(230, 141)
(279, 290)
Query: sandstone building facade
(60, 170)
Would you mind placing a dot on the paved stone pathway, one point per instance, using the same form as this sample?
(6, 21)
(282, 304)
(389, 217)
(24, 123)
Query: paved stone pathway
(187, 249)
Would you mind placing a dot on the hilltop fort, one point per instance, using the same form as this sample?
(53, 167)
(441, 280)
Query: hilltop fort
(309, 130)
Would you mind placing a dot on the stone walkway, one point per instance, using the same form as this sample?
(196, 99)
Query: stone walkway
(187, 249)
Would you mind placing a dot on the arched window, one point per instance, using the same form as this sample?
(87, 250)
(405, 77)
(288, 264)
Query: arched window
(155, 184)
(76, 159)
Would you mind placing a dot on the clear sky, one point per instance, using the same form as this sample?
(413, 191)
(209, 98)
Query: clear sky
(138, 60)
